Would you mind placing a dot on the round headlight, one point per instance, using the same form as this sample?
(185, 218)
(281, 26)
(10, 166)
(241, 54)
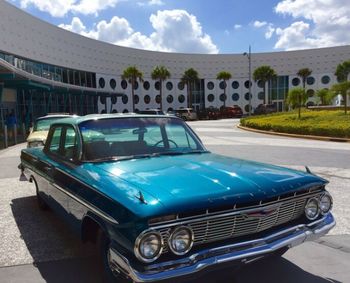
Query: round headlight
(181, 240)
(326, 203)
(312, 209)
(148, 246)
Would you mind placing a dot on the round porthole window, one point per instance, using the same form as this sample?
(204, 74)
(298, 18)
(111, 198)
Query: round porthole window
(235, 84)
(112, 83)
(146, 85)
(210, 85)
(235, 97)
(101, 82)
(211, 97)
(124, 84)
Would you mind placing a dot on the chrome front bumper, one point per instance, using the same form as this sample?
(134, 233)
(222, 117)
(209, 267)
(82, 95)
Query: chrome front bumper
(242, 252)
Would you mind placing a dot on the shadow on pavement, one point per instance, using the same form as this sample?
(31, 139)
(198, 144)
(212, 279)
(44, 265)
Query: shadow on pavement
(59, 255)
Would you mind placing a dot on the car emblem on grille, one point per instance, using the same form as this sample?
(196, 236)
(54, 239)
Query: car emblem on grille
(261, 213)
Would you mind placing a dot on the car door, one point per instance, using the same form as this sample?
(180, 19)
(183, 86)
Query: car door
(56, 195)
(61, 150)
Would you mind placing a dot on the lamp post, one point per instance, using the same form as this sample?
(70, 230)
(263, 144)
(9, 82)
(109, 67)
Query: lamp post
(249, 56)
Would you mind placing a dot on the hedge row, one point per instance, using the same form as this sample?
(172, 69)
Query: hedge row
(320, 123)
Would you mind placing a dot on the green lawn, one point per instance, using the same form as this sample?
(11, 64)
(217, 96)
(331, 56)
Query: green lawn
(319, 123)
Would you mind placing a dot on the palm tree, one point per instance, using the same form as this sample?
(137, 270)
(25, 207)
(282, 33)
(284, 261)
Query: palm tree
(303, 74)
(343, 89)
(132, 74)
(343, 73)
(324, 95)
(224, 76)
(264, 74)
(296, 98)
(189, 77)
(161, 74)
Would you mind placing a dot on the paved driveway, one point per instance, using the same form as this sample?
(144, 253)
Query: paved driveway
(31, 236)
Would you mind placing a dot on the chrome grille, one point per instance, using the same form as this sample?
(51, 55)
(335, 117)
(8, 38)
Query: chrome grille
(209, 228)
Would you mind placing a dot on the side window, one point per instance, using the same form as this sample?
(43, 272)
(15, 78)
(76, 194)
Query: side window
(69, 143)
(178, 137)
(55, 140)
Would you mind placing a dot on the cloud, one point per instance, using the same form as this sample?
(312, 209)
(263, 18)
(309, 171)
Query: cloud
(237, 26)
(258, 24)
(151, 3)
(268, 27)
(59, 8)
(174, 31)
(177, 30)
(269, 31)
(56, 8)
(319, 23)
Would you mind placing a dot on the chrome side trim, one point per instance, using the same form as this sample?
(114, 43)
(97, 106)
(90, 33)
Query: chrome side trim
(91, 207)
(242, 252)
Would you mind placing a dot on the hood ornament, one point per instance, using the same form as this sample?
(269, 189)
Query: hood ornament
(308, 170)
(141, 198)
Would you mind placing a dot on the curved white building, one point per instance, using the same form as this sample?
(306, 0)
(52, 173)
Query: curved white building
(44, 68)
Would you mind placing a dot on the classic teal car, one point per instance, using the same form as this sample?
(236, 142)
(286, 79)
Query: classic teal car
(159, 205)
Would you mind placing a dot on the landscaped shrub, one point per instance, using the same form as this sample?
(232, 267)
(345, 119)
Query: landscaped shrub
(320, 123)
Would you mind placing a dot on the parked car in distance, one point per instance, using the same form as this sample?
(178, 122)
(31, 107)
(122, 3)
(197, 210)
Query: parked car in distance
(213, 113)
(159, 205)
(39, 131)
(231, 112)
(152, 112)
(210, 113)
(187, 114)
(265, 109)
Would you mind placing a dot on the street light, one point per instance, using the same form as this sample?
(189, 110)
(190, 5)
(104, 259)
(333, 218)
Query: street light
(249, 56)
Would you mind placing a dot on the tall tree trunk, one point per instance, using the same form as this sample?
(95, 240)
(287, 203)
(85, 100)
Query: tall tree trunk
(299, 99)
(190, 95)
(265, 92)
(346, 102)
(160, 94)
(132, 95)
(225, 95)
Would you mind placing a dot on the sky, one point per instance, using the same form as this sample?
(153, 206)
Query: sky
(201, 26)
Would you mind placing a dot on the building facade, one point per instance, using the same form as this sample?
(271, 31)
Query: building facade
(45, 69)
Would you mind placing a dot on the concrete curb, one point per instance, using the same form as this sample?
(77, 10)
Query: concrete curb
(310, 137)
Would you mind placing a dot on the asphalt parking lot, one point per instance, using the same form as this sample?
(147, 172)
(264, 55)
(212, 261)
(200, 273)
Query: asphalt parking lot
(37, 246)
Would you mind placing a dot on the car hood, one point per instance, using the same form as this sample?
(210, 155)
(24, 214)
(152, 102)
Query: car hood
(37, 136)
(206, 180)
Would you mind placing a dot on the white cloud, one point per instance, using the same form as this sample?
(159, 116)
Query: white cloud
(237, 26)
(268, 27)
(174, 31)
(151, 3)
(269, 31)
(177, 30)
(320, 23)
(56, 8)
(258, 24)
(59, 8)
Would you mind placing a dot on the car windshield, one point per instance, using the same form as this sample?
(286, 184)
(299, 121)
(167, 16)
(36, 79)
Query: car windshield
(44, 124)
(137, 137)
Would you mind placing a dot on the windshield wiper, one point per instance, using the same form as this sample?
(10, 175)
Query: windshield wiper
(119, 158)
(181, 152)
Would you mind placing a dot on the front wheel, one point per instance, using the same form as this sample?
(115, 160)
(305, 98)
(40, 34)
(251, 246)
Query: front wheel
(103, 244)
